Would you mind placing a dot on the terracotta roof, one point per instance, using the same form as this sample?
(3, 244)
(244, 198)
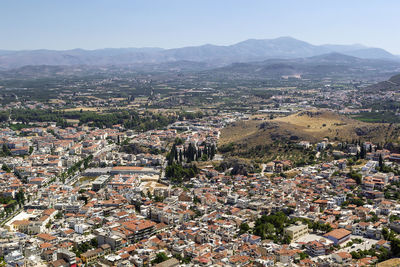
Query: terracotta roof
(338, 233)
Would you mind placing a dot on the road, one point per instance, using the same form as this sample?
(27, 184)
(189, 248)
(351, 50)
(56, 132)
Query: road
(76, 177)
(104, 149)
(73, 180)
(263, 168)
(10, 217)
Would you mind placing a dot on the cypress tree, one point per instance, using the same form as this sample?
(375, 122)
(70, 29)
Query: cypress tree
(212, 151)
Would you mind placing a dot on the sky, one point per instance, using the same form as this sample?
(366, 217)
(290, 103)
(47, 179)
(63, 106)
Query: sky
(94, 24)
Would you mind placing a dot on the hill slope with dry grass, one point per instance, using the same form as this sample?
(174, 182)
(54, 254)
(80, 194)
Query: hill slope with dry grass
(312, 126)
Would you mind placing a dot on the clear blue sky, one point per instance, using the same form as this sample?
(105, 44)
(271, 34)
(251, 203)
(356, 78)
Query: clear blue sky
(92, 24)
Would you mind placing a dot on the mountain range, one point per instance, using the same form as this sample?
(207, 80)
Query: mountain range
(332, 65)
(218, 56)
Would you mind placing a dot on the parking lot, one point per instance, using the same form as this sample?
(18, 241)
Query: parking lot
(312, 237)
(367, 244)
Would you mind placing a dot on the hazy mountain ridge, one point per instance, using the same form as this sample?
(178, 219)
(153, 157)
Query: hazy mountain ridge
(246, 51)
(331, 65)
(327, 65)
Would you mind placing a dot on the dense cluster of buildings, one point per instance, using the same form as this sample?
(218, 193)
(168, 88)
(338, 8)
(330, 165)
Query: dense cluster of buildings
(87, 201)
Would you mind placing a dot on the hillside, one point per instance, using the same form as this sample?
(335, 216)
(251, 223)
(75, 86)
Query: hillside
(392, 84)
(311, 126)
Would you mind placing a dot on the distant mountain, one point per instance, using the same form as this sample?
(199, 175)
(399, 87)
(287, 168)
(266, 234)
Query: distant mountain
(393, 84)
(322, 66)
(334, 57)
(246, 51)
(283, 47)
(344, 48)
(376, 53)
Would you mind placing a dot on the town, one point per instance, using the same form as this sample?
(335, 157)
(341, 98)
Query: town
(81, 195)
(199, 133)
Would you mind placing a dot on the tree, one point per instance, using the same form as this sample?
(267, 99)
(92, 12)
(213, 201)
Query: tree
(356, 176)
(160, 257)
(303, 255)
(212, 153)
(6, 151)
(94, 243)
(176, 172)
(175, 152)
(244, 228)
(380, 162)
(272, 227)
(20, 197)
(385, 233)
(6, 168)
(286, 239)
(59, 215)
(191, 152)
(363, 152)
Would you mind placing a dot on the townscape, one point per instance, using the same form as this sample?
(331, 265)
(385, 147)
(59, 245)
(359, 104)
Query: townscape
(154, 134)
(78, 194)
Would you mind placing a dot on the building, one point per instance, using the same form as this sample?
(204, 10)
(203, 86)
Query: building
(338, 236)
(296, 231)
(107, 238)
(91, 255)
(100, 182)
(316, 248)
(133, 170)
(342, 258)
(66, 255)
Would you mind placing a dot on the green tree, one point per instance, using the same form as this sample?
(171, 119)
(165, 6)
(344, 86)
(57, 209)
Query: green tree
(244, 228)
(380, 162)
(356, 176)
(6, 168)
(160, 257)
(20, 197)
(6, 151)
(94, 243)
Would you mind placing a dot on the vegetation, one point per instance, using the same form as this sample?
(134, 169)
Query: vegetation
(356, 176)
(375, 117)
(83, 247)
(127, 118)
(177, 172)
(6, 168)
(160, 257)
(185, 260)
(243, 228)
(192, 153)
(272, 227)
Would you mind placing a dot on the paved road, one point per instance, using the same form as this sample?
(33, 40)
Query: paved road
(263, 168)
(76, 177)
(72, 180)
(10, 217)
